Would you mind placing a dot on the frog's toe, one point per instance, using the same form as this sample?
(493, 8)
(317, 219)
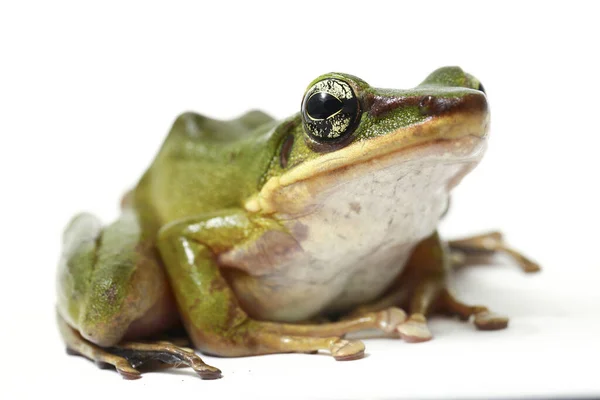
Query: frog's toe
(127, 371)
(206, 371)
(390, 319)
(489, 321)
(415, 329)
(209, 372)
(482, 317)
(346, 350)
(104, 359)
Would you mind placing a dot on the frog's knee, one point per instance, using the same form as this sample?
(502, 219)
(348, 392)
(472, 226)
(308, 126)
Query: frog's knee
(80, 242)
(78, 259)
(82, 230)
(111, 284)
(129, 299)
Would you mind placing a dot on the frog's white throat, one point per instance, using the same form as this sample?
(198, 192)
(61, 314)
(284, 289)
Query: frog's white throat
(356, 227)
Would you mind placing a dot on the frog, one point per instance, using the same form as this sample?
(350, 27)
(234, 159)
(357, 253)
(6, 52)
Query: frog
(256, 236)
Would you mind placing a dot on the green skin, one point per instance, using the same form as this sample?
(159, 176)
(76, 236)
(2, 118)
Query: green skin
(158, 263)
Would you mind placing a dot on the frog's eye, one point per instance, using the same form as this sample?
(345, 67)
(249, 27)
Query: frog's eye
(330, 111)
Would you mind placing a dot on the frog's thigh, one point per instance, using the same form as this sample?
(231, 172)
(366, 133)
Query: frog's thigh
(213, 317)
(111, 284)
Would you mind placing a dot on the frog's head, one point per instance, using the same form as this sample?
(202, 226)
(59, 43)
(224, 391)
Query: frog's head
(347, 129)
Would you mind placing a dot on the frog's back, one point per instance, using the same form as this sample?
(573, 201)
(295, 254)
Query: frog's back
(204, 165)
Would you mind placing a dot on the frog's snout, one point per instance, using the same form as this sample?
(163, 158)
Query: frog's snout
(447, 113)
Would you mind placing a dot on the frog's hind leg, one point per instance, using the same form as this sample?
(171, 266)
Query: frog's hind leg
(468, 250)
(112, 289)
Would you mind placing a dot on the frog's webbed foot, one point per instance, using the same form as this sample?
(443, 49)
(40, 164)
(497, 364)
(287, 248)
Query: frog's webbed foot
(485, 245)
(127, 357)
(441, 300)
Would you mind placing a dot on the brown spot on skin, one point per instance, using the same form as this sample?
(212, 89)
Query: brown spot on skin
(300, 231)
(354, 206)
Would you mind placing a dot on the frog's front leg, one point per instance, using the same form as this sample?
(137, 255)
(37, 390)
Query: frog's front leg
(423, 289)
(213, 317)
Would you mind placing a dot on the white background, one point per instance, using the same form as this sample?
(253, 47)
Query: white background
(87, 93)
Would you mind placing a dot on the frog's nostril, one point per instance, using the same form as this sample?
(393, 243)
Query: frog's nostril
(426, 104)
(481, 88)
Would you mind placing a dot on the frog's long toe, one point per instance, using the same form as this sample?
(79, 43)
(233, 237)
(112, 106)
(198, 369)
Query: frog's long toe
(126, 371)
(346, 350)
(104, 359)
(206, 371)
(489, 321)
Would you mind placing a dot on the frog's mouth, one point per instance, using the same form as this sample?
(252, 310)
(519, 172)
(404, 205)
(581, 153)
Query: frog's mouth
(455, 137)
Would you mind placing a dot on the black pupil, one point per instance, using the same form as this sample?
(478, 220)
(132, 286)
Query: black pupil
(323, 105)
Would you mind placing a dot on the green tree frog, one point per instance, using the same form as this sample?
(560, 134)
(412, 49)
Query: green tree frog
(261, 236)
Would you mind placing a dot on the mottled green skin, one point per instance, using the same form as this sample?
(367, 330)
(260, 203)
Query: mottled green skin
(194, 194)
